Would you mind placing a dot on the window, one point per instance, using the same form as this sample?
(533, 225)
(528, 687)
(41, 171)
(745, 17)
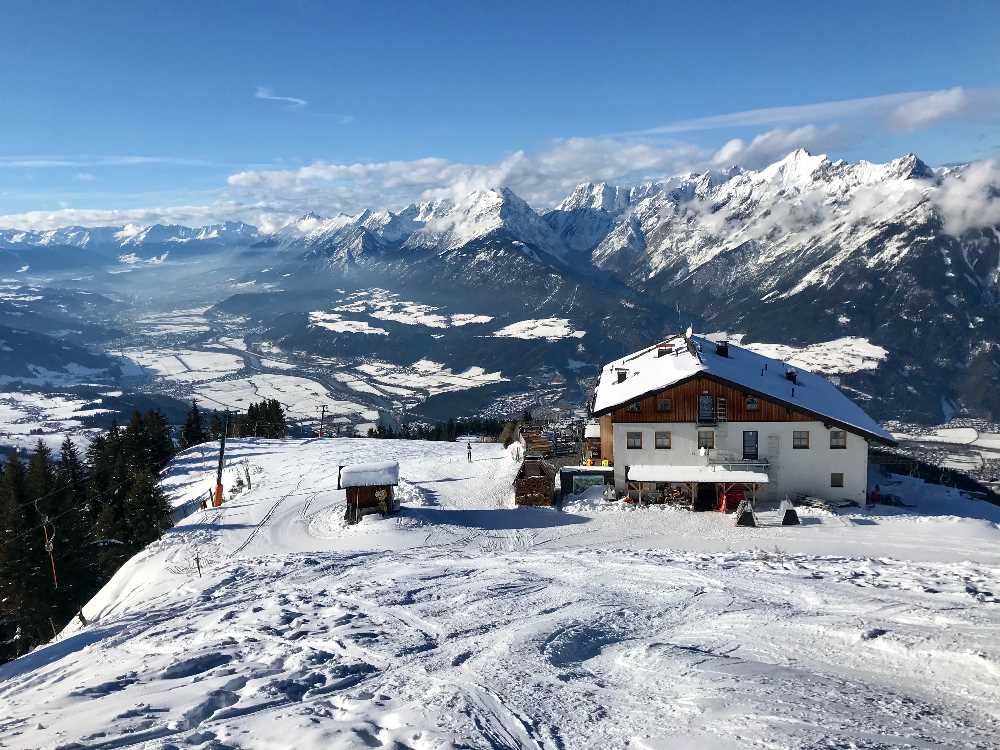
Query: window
(664, 405)
(662, 440)
(706, 408)
(837, 480)
(838, 439)
(633, 407)
(706, 439)
(800, 438)
(633, 440)
(750, 445)
(752, 404)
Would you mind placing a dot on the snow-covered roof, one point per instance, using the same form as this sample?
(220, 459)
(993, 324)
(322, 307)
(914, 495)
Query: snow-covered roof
(370, 475)
(595, 469)
(667, 473)
(592, 431)
(646, 372)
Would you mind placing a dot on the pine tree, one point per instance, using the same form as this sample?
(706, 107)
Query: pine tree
(30, 597)
(147, 513)
(74, 562)
(161, 442)
(193, 432)
(215, 427)
(15, 558)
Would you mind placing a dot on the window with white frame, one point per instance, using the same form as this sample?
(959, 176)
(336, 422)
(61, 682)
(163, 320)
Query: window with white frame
(838, 439)
(662, 440)
(633, 440)
(800, 439)
(706, 439)
(837, 479)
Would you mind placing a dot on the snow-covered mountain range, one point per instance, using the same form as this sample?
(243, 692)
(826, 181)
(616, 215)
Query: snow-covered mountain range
(130, 235)
(807, 249)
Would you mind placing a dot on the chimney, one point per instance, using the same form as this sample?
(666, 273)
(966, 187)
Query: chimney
(791, 375)
(722, 348)
(662, 350)
(622, 374)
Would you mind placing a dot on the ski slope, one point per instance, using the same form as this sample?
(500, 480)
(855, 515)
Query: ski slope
(466, 623)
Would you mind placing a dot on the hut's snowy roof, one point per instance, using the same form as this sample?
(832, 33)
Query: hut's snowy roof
(647, 372)
(370, 475)
(592, 431)
(668, 473)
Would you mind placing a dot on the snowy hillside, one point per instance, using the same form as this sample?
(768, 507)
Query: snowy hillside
(465, 623)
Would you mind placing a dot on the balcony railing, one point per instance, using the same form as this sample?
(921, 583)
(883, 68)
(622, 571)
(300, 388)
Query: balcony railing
(733, 462)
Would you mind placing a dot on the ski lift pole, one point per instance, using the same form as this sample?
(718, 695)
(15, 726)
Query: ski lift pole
(222, 454)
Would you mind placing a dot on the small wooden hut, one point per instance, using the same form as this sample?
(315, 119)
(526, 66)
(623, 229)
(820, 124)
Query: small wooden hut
(370, 489)
(535, 483)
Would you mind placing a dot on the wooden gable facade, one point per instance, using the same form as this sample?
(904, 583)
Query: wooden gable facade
(682, 405)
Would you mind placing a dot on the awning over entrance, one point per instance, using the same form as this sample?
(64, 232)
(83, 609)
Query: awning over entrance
(718, 474)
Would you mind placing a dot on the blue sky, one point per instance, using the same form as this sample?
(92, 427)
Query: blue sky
(194, 111)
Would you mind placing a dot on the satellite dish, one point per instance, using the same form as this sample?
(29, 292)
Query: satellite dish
(688, 333)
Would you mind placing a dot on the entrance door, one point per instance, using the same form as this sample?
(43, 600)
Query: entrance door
(750, 445)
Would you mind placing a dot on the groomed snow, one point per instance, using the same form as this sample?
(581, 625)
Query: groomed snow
(465, 623)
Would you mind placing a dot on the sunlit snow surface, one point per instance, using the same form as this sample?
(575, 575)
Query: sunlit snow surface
(551, 329)
(464, 623)
(840, 356)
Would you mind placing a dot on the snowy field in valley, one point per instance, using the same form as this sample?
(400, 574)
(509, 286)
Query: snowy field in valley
(961, 448)
(180, 365)
(26, 418)
(465, 623)
(840, 356)
(175, 322)
(386, 305)
(550, 329)
(301, 397)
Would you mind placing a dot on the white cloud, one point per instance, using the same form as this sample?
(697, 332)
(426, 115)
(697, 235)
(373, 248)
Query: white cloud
(78, 162)
(948, 104)
(293, 102)
(266, 217)
(902, 110)
(270, 197)
(969, 198)
(541, 178)
(774, 144)
(85, 177)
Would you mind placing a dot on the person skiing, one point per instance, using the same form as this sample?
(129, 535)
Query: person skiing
(468, 447)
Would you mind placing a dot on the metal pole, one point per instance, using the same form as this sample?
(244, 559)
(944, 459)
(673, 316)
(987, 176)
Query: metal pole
(222, 454)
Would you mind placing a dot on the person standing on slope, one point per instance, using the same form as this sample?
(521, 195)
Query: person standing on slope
(468, 447)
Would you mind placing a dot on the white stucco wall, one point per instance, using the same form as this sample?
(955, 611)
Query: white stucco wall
(792, 471)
